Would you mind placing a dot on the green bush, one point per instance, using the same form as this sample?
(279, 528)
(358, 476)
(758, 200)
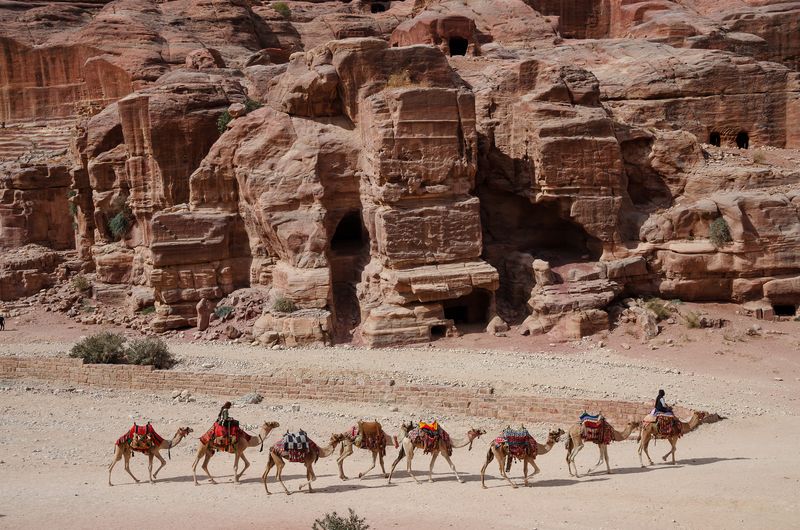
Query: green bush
(692, 319)
(150, 351)
(103, 348)
(222, 122)
(119, 225)
(658, 307)
(73, 208)
(282, 9)
(149, 310)
(223, 311)
(250, 105)
(81, 283)
(719, 232)
(283, 305)
(333, 521)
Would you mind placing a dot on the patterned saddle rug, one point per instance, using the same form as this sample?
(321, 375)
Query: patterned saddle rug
(141, 438)
(430, 438)
(596, 430)
(519, 444)
(371, 439)
(294, 446)
(668, 425)
(224, 437)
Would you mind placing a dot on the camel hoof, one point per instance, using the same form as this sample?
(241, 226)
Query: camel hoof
(484, 487)
(385, 475)
(461, 480)
(514, 486)
(360, 475)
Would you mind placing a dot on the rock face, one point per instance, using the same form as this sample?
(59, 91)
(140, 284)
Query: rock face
(392, 172)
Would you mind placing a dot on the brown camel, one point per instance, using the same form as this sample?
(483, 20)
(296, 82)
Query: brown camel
(366, 429)
(312, 455)
(206, 451)
(650, 430)
(124, 450)
(501, 454)
(575, 444)
(407, 449)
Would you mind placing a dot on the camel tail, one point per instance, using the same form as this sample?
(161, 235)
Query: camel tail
(509, 461)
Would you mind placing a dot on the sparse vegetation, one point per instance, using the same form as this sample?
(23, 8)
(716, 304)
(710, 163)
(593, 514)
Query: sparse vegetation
(103, 348)
(111, 348)
(223, 311)
(150, 351)
(121, 218)
(73, 208)
(283, 305)
(692, 319)
(759, 157)
(399, 79)
(149, 310)
(222, 122)
(659, 307)
(250, 105)
(334, 521)
(719, 232)
(81, 283)
(282, 9)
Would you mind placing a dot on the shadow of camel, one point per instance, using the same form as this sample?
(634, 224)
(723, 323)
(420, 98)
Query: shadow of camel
(550, 483)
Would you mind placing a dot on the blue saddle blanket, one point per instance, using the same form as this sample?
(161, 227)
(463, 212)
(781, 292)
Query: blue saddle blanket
(590, 417)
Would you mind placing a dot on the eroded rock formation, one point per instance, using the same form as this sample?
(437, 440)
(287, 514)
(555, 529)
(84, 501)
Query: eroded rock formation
(390, 172)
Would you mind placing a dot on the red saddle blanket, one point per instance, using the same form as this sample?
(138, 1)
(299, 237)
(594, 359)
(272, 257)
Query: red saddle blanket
(518, 444)
(141, 438)
(370, 441)
(597, 431)
(224, 438)
(669, 426)
(297, 454)
(430, 440)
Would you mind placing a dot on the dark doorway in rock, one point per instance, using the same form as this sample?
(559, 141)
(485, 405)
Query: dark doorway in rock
(377, 7)
(742, 140)
(348, 255)
(438, 332)
(458, 46)
(715, 139)
(784, 310)
(469, 309)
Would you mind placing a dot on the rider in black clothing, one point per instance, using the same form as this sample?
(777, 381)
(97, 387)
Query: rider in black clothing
(661, 403)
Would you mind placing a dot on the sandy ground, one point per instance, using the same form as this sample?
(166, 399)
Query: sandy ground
(738, 473)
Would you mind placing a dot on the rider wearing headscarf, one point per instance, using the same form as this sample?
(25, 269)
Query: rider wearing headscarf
(661, 403)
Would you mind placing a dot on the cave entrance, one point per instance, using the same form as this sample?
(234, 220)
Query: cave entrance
(784, 310)
(377, 7)
(458, 46)
(469, 309)
(438, 332)
(715, 139)
(348, 255)
(742, 140)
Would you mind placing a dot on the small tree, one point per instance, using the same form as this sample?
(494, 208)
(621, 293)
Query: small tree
(282, 9)
(222, 122)
(719, 232)
(399, 79)
(150, 351)
(333, 521)
(692, 319)
(103, 348)
(658, 307)
(80, 283)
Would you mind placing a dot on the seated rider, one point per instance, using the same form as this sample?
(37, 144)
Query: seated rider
(223, 418)
(661, 406)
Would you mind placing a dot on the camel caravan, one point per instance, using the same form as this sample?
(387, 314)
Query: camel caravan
(510, 445)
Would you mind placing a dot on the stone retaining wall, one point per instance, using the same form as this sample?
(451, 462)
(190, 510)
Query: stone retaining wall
(475, 401)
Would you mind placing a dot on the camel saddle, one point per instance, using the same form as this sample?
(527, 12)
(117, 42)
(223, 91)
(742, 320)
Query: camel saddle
(429, 435)
(517, 443)
(141, 438)
(224, 437)
(294, 446)
(595, 428)
(369, 435)
(668, 425)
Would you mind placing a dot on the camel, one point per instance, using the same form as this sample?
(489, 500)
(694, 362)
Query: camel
(205, 451)
(124, 450)
(312, 455)
(501, 454)
(407, 449)
(650, 430)
(575, 444)
(377, 452)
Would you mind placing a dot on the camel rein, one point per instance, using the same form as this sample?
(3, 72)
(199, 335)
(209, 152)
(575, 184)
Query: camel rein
(262, 443)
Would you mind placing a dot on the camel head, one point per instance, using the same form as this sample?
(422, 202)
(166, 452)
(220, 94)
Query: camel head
(184, 431)
(700, 415)
(405, 427)
(555, 435)
(269, 425)
(474, 434)
(337, 438)
(634, 424)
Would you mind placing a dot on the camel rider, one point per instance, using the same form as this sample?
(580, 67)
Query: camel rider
(224, 418)
(661, 406)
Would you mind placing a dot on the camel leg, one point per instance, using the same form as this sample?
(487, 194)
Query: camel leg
(644, 445)
(599, 460)
(279, 464)
(205, 467)
(246, 465)
(489, 457)
(117, 458)
(345, 451)
(409, 458)
(574, 455)
(266, 473)
(309, 476)
(150, 467)
(525, 472)
(604, 456)
(453, 467)
(374, 458)
(128, 466)
(434, 456)
(673, 443)
(503, 471)
(163, 463)
(383, 469)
